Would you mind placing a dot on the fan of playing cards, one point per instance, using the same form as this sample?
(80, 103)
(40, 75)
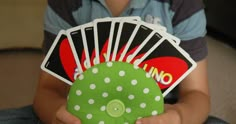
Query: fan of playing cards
(118, 40)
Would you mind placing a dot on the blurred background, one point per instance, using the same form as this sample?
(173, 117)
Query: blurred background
(20, 55)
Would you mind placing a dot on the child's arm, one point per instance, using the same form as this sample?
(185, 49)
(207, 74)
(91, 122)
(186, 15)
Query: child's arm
(194, 102)
(50, 101)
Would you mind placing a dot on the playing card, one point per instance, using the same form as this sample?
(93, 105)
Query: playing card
(139, 36)
(145, 34)
(78, 46)
(114, 30)
(155, 26)
(126, 39)
(167, 63)
(88, 40)
(113, 34)
(59, 61)
(126, 31)
(162, 30)
(102, 32)
(139, 49)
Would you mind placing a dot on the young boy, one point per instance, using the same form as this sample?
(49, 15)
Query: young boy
(182, 18)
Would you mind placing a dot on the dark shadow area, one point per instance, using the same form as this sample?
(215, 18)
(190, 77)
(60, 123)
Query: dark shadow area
(22, 50)
(221, 37)
(221, 18)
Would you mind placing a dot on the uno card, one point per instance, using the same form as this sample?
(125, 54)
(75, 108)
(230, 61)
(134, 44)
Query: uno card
(162, 30)
(114, 30)
(139, 36)
(167, 63)
(59, 61)
(102, 32)
(151, 34)
(88, 40)
(141, 48)
(156, 26)
(78, 47)
(126, 31)
(113, 34)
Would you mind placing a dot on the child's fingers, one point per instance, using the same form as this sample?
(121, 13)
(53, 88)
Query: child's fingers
(64, 117)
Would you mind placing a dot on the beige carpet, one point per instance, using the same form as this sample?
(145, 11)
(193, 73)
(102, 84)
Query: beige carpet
(222, 77)
(19, 74)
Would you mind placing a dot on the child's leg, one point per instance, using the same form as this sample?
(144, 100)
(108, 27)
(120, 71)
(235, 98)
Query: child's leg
(24, 115)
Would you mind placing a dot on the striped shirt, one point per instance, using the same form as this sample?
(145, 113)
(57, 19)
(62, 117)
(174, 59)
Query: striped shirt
(183, 18)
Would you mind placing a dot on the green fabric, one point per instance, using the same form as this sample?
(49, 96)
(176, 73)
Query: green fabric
(114, 93)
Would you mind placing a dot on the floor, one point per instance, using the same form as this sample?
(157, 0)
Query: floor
(222, 78)
(19, 74)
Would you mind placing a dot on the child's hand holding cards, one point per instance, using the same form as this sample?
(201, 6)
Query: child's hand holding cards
(119, 68)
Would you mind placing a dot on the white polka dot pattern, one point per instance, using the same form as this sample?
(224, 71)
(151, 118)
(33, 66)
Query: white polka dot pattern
(143, 105)
(78, 92)
(119, 88)
(89, 116)
(91, 101)
(105, 94)
(107, 80)
(92, 86)
(122, 73)
(128, 110)
(103, 108)
(134, 82)
(81, 77)
(95, 70)
(101, 122)
(109, 64)
(96, 87)
(77, 107)
(131, 97)
(154, 113)
(146, 91)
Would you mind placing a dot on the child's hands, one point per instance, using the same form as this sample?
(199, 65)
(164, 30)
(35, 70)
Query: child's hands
(170, 116)
(64, 117)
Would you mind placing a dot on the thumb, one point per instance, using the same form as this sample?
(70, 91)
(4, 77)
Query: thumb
(171, 116)
(65, 117)
(150, 120)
